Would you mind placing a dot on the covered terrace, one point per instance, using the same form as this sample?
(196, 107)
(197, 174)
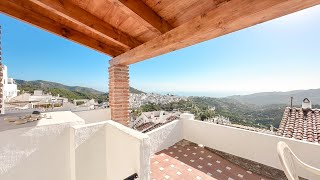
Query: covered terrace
(131, 31)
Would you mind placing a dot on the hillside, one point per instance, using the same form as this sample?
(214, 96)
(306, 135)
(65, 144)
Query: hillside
(240, 113)
(135, 91)
(260, 109)
(70, 92)
(45, 85)
(268, 98)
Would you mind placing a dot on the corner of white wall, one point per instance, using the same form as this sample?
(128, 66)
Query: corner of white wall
(135, 144)
(187, 116)
(166, 136)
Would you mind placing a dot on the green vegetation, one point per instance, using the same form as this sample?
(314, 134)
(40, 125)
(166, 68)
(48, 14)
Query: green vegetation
(244, 114)
(71, 95)
(30, 86)
(200, 111)
(70, 92)
(238, 113)
(255, 110)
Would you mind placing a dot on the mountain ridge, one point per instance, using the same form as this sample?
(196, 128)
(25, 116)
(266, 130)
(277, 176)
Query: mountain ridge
(279, 97)
(258, 99)
(44, 85)
(41, 84)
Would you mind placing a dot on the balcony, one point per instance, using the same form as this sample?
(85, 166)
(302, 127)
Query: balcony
(65, 148)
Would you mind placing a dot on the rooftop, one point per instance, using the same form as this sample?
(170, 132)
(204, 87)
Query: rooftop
(301, 124)
(148, 121)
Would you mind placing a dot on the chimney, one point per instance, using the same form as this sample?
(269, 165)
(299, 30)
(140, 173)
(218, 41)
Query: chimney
(306, 104)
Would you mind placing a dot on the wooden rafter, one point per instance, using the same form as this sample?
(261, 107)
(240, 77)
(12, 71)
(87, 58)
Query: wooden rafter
(16, 10)
(229, 17)
(143, 13)
(86, 20)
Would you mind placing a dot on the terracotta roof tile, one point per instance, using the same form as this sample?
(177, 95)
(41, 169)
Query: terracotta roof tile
(144, 126)
(301, 125)
(155, 126)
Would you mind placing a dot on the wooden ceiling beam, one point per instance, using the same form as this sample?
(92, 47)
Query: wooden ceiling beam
(229, 17)
(83, 18)
(144, 14)
(15, 10)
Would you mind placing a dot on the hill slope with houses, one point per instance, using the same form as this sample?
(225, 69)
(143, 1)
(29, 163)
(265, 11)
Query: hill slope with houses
(70, 92)
(259, 110)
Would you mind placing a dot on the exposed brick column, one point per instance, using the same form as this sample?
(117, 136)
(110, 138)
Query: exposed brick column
(1, 78)
(119, 93)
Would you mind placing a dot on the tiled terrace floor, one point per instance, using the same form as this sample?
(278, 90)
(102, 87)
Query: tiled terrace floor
(189, 161)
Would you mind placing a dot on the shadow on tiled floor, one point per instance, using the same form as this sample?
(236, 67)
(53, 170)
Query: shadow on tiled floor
(189, 161)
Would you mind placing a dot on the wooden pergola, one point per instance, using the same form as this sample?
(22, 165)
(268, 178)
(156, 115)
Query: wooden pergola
(134, 30)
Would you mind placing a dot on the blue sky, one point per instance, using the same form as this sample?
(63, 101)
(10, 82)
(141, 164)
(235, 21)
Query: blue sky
(279, 55)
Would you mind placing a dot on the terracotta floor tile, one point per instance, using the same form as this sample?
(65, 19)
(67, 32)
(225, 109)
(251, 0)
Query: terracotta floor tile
(177, 162)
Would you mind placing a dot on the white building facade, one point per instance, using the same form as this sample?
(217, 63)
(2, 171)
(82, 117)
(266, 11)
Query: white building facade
(10, 88)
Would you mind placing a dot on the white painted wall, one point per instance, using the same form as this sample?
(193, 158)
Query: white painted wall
(250, 145)
(109, 150)
(128, 153)
(10, 89)
(89, 151)
(96, 115)
(165, 136)
(38, 152)
(99, 151)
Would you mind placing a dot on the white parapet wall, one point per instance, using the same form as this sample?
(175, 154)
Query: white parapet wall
(96, 115)
(128, 152)
(165, 136)
(109, 150)
(40, 150)
(258, 147)
(89, 151)
(69, 149)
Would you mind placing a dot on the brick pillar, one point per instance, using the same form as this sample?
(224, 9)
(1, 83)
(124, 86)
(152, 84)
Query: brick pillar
(1, 78)
(119, 93)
